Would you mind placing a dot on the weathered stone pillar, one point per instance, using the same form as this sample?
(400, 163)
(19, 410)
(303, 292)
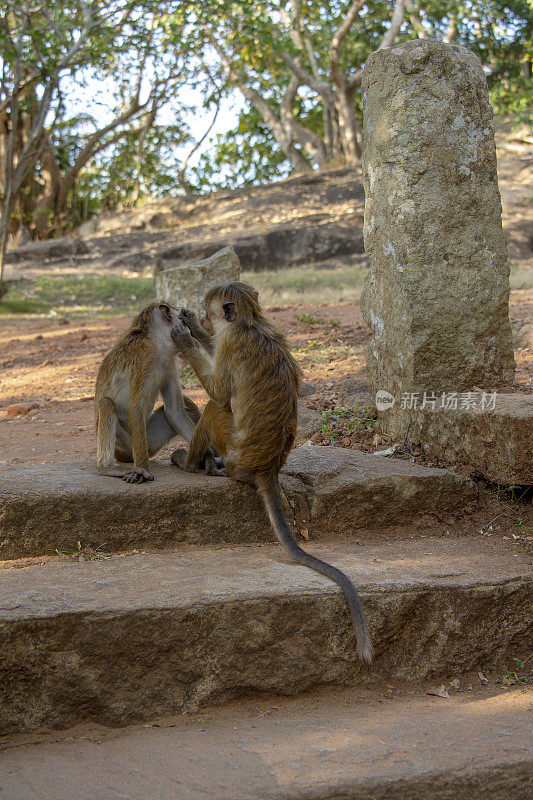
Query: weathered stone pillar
(187, 284)
(437, 295)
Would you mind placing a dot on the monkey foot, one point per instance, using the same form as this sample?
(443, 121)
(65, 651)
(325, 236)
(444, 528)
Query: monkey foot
(212, 466)
(179, 457)
(217, 472)
(137, 475)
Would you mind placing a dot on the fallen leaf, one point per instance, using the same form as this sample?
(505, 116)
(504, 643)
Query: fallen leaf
(442, 691)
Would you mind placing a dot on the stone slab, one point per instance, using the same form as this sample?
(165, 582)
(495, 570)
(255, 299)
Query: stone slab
(55, 506)
(494, 443)
(187, 284)
(133, 637)
(329, 745)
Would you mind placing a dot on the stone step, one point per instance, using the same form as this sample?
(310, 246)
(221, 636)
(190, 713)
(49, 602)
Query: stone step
(331, 744)
(332, 490)
(492, 437)
(137, 636)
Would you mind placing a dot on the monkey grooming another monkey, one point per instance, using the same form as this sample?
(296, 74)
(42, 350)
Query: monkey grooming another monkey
(252, 381)
(140, 366)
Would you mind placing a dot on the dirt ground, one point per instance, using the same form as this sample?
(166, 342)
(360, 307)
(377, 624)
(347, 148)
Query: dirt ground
(53, 365)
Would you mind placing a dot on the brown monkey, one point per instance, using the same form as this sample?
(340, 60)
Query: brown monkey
(251, 418)
(140, 366)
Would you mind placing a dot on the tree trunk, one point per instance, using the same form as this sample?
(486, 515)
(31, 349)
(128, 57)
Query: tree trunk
(5, 218)
(348, 127)
(45, 205)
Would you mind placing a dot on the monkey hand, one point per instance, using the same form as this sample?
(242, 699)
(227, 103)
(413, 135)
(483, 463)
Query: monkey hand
(137, 475)
(190, 319)
(181, 337)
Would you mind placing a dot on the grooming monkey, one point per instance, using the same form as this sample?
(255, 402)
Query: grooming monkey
(252, 381)
(140, 366)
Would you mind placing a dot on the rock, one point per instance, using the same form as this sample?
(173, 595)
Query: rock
(49, 248)
(162, 220)
(150, 634)
(20, 409)
(88, 228)
(429, 761)
(337, 490)
(187, 284)
(354, 391)
(309, 423)
(493, 436)
(306, 389)
(437, 293)
(279, 246)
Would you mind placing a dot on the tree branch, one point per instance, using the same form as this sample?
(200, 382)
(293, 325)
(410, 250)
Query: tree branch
(319, 86)
(259, 102)
(338, 40)
(416, 22)
(395, 25)
(306, 137)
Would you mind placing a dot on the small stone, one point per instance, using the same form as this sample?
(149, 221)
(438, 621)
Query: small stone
(20, 409)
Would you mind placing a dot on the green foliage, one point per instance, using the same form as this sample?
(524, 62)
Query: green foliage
(308, 319)
(78, 294)
(519, 675)
(308, 284)
(178, 44)
(347, 421)
(500, 33)
(245, 155)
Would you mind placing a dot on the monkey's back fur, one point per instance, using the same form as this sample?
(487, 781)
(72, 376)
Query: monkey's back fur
(264, 395)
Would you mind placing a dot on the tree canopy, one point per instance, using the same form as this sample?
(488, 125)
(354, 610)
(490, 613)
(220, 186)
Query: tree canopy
(100, 99)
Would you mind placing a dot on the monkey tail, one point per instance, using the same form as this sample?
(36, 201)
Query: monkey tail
(268, 488)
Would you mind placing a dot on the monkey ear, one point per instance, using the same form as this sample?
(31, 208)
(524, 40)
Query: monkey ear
(165, 312)
(230, 311)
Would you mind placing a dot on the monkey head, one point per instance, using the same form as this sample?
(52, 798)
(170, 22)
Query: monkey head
(229, 303)
(160, 316)
(167, 315)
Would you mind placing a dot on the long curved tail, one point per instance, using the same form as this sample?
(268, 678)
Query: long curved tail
(268, 488)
